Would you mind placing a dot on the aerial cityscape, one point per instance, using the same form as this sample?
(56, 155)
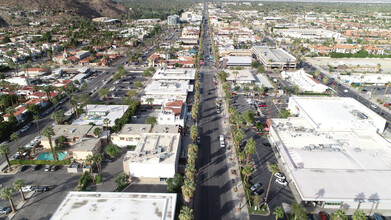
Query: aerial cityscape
(182, 110)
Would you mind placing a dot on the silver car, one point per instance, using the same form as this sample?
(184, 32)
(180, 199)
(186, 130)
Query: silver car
(5, 210)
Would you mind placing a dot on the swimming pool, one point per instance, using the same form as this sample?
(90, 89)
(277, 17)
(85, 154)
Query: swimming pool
(49, 155)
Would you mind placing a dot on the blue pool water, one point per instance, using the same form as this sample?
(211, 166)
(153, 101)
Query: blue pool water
(49, 156)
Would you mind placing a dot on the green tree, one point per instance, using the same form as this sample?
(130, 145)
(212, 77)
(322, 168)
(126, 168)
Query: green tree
(190, 171)
(5, 150)
(249, 116)
(359, 215)
(74, 101)
(89, 160)
(49, 133)
(18, 184)
(103, 93)
(299, 212)
(112, 150)
(6, 193)
(238, 136)
(150, 102)
(278, 213)
(58, 116)
(138, 84)
(246, 171)
(151, 120)
(250, 148)
(188, 190)
(174, 184)
(122, 180)
(339, 215)
(186, 213)
(98, 158)
(85, 100)
(193, 132)
(98, 132)
(132, 93)
(106, 122)
(274, 169)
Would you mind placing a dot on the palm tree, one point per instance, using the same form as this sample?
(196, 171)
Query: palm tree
(89, 160)
(299, 212)
(98, 132)
(18, 184)
(132, 93)
(58, 116)
(274, 169)
(246, 171)
(15, 137)
(5, 150)
(194, 112)
(193, 132)
(112, 150)
(188, 190)
(339, 215)
(278, 212)
(150, 102)
(11, 112)
(48, 90)
(98, 158)
(49, 133)
(235, 75)
(36, 119)
(250, 148)
(6, 193)
(186, 213)
(74, 102)
(55, 100)
(359, 215)
(106, 121)
(190, 171)
(85, 99)
(103, 92)
(238, 136)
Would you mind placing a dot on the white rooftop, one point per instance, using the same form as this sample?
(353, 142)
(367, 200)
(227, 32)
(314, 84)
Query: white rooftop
(174, 74)
(97, 113)
(334, 165)
(304, 81)
(163, 87)
(242, 76)
(238, 60)
(116, 205)
(336, 113)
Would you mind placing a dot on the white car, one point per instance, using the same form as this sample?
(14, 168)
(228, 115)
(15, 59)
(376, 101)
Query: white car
(279, 176)
(28, 188)
(255, 186)
(222, 144)
(345, 90)
(281, 181)
(374, 106)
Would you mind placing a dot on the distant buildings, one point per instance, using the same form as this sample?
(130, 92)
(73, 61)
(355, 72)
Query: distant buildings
(173, 20)
(274, 58)
(308, 33)
(97, 113)
(304, 81)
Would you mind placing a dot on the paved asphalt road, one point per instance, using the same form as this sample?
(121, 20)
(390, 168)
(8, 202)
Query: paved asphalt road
(213, 199)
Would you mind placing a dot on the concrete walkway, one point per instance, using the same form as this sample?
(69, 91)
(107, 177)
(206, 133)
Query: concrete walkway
(241, 210)
(21, 204)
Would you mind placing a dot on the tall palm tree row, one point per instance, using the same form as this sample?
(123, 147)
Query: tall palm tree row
(5, 150)
(49, 133)
(274, 169)
(6, 193)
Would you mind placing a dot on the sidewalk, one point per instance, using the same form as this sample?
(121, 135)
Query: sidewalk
(241, 211)
(21, 204)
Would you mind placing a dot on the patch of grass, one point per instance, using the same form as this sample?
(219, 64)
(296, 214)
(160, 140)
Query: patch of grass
(262, 210)
(284, 113)
(131, 147)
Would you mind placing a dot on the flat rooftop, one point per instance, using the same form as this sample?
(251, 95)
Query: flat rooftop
(334, 165)
(70, 131)
(134, 129)
(155, 148)
(276, 55)
(85, 144)
(116, 205)
(165, 128)
(97, 113)
(243, 75)
(336, 113)
(164, 87)
(174, 74)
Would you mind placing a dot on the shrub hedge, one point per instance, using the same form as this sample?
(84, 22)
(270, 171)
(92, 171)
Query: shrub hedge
(44, 162)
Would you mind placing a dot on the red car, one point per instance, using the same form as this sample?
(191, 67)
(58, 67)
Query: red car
(323, 215)
(232, 93)
(262, 104)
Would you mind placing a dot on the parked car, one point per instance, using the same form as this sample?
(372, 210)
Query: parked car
(218, 111)
(54, 168)
(257, 192)
(23, 168)
(281, 182)
(48, 168)
(377, 216)
(262, 104)
(373, 106)
(36, 167)
(28, 188)
(323, 215)
(255, 186)
(5, 210)
(279, 176)
(41, 189)
(198, 140)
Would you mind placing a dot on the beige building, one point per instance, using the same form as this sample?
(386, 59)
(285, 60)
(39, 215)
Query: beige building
(130, 134)
(84, 147)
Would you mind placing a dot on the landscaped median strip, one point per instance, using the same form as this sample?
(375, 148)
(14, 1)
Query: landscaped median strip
(21, 204)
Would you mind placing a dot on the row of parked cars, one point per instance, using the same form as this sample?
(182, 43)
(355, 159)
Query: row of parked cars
(39, 166)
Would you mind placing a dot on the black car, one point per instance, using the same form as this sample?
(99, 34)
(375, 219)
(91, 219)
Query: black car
(36, 167)
(22, 168)
(243, 143)
(41, 189)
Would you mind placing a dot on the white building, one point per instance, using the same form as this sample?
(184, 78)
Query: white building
(304, 81)
(332, 153)
(174, 74)
(173, 20)
(130, 134)
(274, 58)
(236, 61)
(242, 76)
(308, 33)
(173, 113)
(116, 205)
(165, 90)
(155, 157)
(97, 113)
(379, 79)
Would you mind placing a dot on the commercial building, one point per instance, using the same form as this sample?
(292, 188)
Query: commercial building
(304, 81)
(274, 58)
(97, 113)
(130, 134)
(173, 20)
(174, 74)
(308, 33)
(155, 157)
(236, 61)
(240, 76)
(173, 113)
(332, 153)
(116, 205)
(85, 147)
(162, 91)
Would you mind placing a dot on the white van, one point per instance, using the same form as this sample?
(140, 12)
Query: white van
(222, 140)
